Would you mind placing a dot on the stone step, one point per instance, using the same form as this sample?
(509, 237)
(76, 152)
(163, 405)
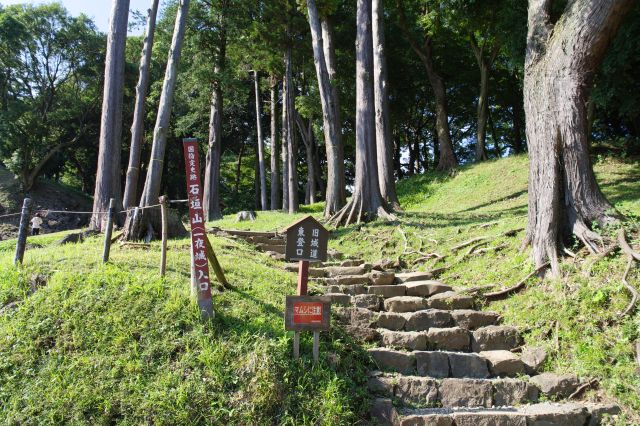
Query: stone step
(444, 364)
(448, 300)
(438, 318)
(405, 277)
(271, 247)
(430, 392)
(546, 413)
(335, 271)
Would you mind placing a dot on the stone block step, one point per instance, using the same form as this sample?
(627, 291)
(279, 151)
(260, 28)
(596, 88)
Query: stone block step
(444, 364)
(335, 271)
(429, 392)
(405, 277)
(428, 318)
(448, 300)
(541, 414)
(280, 249)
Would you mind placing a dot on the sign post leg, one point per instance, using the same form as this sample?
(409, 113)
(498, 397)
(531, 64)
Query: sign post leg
(21, 243)
(316, 346)
(303, 277)
(296, 344)
(108, 231)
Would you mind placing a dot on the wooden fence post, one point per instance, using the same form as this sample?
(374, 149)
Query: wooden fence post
(22, 231)
(108, 231)
(165, 232)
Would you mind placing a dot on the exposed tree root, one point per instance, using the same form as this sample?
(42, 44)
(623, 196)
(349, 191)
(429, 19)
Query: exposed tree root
(589, 265)
(497, 295)
(512, 232)
(488, 249)
(474, 248)
(634, 293)
(438, 271)
(426, 256)
(624, 245)
(353, 212)
(467, 243)
(583, 387)
(477, 289)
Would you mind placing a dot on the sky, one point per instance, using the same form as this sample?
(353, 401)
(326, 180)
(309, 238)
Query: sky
(97, 10)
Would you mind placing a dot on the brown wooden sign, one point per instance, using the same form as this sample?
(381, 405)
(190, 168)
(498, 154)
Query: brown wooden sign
(307, 313)
(307, 240)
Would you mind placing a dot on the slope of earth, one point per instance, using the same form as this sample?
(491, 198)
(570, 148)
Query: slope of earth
(82, 342)
(575, 318)
(46, 195)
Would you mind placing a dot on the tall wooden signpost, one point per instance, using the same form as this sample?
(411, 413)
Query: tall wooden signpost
(200, 267)
(307, 242)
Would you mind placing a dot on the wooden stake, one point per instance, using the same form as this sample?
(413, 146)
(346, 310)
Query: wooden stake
(21, 244)
(316, 346)
(108, 231)
(165, 233)
(296, 344)
(213, 259)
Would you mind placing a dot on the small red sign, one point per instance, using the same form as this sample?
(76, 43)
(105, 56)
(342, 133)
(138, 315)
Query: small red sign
(307, 313)
(196, 218)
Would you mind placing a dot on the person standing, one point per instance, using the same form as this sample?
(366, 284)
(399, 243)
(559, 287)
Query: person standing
(36, 223)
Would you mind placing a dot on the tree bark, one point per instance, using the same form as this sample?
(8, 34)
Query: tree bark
(108, 172)
(561, 59)
(137, 127)
(324, 61)
(306, 133)
(287, 116)
(366, 202)
(275, 167)
(153, 181)
(211, 197)
(384, 143)
(211, 191)
(484, 64)
(261, 168)
(447, 158)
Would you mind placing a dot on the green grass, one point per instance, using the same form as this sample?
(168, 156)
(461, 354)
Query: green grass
(115, 343)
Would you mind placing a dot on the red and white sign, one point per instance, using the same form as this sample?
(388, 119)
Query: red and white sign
(307, 313)
(196, 218)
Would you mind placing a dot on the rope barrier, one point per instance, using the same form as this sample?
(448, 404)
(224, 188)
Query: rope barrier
(92, 212)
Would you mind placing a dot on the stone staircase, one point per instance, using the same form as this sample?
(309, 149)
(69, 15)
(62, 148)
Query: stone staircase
(438, 360)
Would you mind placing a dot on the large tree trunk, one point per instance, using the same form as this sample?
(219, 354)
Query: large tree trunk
(447, 158)
(108, 173)
(261, 168)
(366, 202)
(287, 116)
(136, 228)
(275, 168)
(324, 60)
(561, 59)
(284, 147)
(384, 143)
(137, 127)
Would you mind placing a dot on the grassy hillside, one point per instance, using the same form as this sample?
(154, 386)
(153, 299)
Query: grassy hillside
(89, 343)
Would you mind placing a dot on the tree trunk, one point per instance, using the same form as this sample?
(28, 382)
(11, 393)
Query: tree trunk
(108, 172)
(211, 197)
(137, 127)
(275, 168)
(156, 163)
(366, 202)
(287, 116)
(447, 158)
(324, 61)
(384, 143)
(284, 146)
(483, 109)
(306, 133)
(261, 168)
(239, 168)
(561, 59)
